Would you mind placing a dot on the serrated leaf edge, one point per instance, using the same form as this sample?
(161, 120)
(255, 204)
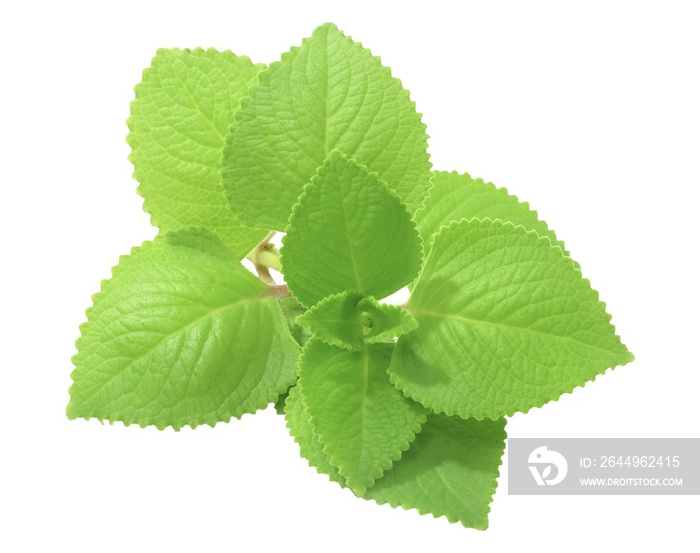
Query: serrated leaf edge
(408, 390)
(452, 519)
(329, 339)
(264, 77)
(308, 461)
(114, 271)
(383, 335)
(131, 139)
(374, 174)
(500, 190)
(395, 456)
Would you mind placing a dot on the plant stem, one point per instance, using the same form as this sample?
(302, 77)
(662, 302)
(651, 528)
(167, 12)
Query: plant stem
(278, 291)
(266, 256)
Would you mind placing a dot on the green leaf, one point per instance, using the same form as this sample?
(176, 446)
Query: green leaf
(454, 197)
(363, 421)
(182, 334)
(386, 321)
(281, 400)
(292, 309)
(348, 232)
(337, 321)
(302, 431)
(350, 320)
(506, 323)
(328, 94)
(450, 470)
(179, 119)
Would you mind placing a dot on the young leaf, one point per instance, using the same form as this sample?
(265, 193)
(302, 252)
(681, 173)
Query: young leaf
(348, 232)
(454, 197)
(302, 431)
(450, 470)
(506, 323)
(387, 321)
(182, 334)
(330, 93)
(182, 111)
(349, 320)
(363, 421)
(337, 321)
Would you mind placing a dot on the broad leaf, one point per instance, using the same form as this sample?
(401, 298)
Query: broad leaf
(457, 196)
(182, 334)
(506, 323)
(450, 470)
(330, 93)
(348, 232)
(302, 431)
(363, 421)
(349, 320)
(179, 119)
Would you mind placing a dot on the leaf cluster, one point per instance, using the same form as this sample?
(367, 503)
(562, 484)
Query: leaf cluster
(403, 405)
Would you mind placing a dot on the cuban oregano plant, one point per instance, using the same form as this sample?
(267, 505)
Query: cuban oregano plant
(403, 405)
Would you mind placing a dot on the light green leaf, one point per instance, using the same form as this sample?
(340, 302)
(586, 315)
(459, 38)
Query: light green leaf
(281, 401)
(302, 431)
(348, 232)
(457, 196)
(292, 309)
(363, 421)
(450, 470)
(330, 93)
(337, 321)
(182, 334)
(506, 323)
(386, 321)
(350, 320)
(179, 119)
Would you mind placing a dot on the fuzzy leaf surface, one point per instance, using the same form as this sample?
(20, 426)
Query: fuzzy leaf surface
(348, 232)
(457, 196)
(182, 334)
(363, 421)
(183, 108)
(506, 323)
(328, 94)
(450, 470)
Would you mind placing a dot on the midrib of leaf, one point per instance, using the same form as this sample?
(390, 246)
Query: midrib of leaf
(365, 358)
(326, 102)
(477, 322)
(358, 280)
(178, 332)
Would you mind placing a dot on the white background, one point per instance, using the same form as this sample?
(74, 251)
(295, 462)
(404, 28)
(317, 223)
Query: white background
(589, 111)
